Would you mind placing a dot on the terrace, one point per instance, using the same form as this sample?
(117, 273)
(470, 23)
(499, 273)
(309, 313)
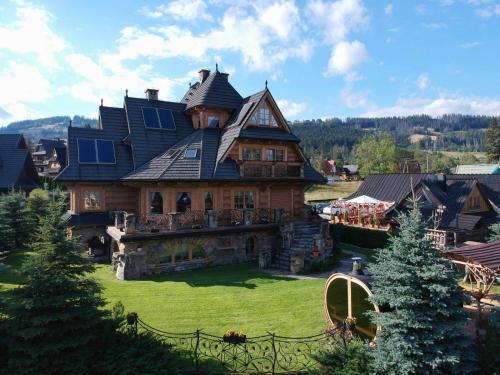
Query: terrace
(195, 222)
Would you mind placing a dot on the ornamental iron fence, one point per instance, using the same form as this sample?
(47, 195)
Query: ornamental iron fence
(269, 353)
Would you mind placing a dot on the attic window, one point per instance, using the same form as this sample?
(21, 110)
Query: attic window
(158, 118)
(213, 122)
(190, 153)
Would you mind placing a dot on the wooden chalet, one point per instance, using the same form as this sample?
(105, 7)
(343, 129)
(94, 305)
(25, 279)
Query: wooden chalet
(457, 208)
(49, 156)
(207, 159)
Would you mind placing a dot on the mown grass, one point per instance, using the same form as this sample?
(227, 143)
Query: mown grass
(348, 249)
(238, 297)
(329, 192)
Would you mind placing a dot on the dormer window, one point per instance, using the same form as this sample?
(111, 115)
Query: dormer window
(213, 121)
(190, 153)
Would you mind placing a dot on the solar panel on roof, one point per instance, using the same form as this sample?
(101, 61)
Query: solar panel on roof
(105, 151)
(150, 117)
(166, 119)
(86, 151)
(190, 153)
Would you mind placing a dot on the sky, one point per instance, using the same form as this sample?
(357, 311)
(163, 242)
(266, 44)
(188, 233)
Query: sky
(321, 58)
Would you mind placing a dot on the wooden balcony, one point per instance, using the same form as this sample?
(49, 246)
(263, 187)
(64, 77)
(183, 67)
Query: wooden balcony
(271, 169)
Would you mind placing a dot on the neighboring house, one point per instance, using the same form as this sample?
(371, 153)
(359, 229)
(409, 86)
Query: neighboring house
(347, 172)
(49, 157)
(213, 159)
(17, 170)
(477, 169)
(460, 205)
(409, 166)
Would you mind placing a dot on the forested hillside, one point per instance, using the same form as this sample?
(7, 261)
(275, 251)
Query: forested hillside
(49, 127)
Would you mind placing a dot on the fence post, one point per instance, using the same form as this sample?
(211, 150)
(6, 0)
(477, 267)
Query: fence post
(196, 351)
(275, 354)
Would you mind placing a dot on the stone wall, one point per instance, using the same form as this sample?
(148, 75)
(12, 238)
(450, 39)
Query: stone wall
(94, 240)
(135, 259)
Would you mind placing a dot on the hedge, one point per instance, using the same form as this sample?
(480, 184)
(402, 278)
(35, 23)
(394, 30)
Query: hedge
(362, 237)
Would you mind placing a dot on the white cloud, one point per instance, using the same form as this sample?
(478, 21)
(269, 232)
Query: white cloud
(439, 106)
(291, 109)
(337, 19)
(435, 26)
(180, 9)
(389, 9)
(30, 33)
(345, 57)
(470, 45)
(98, 81)
(281, 17)
(423, 81)
(22, 84)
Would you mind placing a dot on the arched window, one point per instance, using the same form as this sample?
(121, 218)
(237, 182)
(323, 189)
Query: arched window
(347, 297)
(183, 201)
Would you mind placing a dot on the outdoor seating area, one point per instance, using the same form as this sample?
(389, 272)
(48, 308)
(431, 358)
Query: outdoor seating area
(362, 211)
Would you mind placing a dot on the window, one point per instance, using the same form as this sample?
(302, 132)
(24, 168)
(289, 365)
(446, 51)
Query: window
(274, 124)
(209, 201)
(156, 203)
(92, 200)
(243, 199)
(190, 153)
(280, 155)
(273, 154)
(213, 121)
(264, 115)
(158, 118)
(96, 151)
(183, 200)
(251, 153)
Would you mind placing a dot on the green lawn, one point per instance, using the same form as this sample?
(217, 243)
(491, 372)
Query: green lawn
(216, 299)
(328, 192)
(369, 253)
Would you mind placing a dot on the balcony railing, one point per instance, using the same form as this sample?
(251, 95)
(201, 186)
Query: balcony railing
(198, 219)
(267, 169)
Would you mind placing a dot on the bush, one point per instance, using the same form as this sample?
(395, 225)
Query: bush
(353, 358)
(368, 238)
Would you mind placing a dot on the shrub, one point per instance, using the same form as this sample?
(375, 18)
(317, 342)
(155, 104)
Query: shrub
(353, 358)
(368, 238)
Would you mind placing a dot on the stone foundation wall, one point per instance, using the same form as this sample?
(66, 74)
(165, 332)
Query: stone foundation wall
(135, 259)
(87, 237)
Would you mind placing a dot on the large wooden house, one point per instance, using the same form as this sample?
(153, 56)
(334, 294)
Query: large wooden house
(212, 156)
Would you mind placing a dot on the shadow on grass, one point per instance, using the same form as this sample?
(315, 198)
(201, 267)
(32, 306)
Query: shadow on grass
(240, 275)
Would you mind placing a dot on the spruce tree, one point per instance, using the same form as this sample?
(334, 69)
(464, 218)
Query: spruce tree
(493, 141)
(56, 322)
(422, 320)
(13, 224)
(37, 206)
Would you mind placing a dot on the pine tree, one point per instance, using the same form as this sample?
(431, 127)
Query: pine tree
(13, 225)
(57, 321)
(422, 320)
(493, 141)
(37, 206)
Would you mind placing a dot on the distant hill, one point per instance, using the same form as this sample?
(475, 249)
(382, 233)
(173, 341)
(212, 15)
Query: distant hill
(49, 127)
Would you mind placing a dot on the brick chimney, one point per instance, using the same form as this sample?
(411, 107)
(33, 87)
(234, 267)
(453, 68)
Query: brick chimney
(203, 74)
(151, 94)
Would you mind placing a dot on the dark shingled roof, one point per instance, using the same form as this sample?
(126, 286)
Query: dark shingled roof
(61, 156)
(115, 129)
(450, 191)
(486, 255)
(49, 145)
(87, 218)
(215, 91)
(158, 154)
(15, 158)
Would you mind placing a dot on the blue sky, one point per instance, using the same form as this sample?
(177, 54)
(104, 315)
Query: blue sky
(321, 58)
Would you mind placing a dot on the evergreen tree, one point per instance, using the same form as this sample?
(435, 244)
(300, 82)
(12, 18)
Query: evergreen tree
(37, 206)
(493, 141)
(57, 322)
(422, 320)
(13, 228)
(494, 232)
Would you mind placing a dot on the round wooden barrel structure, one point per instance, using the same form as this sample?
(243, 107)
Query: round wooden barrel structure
(345, 296)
